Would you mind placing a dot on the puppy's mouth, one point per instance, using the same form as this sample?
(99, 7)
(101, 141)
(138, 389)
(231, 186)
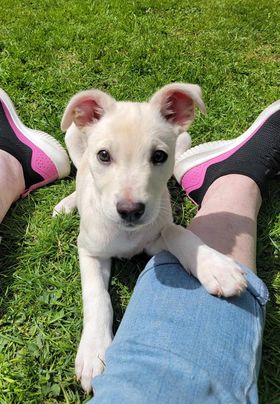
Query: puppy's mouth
(132, 225)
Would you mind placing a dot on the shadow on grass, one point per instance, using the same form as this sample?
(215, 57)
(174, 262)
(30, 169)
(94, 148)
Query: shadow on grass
(12, 231)
(268, 263)
(124, 277)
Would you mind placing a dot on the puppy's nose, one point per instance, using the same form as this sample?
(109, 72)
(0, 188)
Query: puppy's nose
(130, 211)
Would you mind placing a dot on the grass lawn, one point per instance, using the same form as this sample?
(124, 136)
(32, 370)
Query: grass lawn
(49, 50)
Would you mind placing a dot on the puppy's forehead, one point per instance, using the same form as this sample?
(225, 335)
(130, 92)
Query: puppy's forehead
(131, 120)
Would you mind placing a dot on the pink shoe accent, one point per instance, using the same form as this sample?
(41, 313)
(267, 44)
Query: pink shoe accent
(193, 179)
(40, 162)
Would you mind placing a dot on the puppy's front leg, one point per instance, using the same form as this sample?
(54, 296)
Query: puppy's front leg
(98, 316)
(156, 246)
(219, 274)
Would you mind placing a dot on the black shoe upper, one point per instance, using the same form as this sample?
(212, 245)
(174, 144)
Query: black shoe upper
(258, 158)
(10, 143)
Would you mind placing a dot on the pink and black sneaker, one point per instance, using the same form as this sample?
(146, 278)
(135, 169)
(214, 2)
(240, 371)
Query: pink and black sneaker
(42, 157)
(256, 154)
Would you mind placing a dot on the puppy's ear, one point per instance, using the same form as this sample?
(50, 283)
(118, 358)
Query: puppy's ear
(176, 103)
(86, 108)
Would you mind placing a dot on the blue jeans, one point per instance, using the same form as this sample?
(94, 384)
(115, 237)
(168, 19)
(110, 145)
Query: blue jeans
(177, 344)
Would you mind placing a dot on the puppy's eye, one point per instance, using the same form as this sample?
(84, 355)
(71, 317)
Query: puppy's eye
(159, 157)
(104, 156)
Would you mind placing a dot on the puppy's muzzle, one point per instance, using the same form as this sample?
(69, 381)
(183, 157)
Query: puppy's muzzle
(129, 211)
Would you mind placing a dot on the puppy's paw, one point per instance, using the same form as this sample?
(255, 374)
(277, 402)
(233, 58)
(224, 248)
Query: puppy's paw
(90, 359)
(219, 274)
(66, 206)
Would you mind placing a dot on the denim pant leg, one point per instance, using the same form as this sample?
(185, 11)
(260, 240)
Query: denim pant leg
(178, 344)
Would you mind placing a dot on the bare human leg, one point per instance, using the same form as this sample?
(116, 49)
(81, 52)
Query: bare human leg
(227, 219)
(11, 181)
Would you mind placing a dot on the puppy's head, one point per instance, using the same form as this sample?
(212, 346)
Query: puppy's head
(131, 147)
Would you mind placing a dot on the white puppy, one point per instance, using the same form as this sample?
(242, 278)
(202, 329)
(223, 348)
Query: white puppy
(125, 154)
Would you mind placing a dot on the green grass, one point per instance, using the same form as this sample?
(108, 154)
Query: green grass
(49, 50)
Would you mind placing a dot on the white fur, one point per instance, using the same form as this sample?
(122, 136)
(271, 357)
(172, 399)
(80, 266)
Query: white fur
(130, 132)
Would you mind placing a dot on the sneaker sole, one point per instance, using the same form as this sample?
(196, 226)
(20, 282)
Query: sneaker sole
(43, 141)
(213, 152)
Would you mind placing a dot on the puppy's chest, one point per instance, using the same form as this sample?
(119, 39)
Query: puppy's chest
(128, 244)
(112, 242)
